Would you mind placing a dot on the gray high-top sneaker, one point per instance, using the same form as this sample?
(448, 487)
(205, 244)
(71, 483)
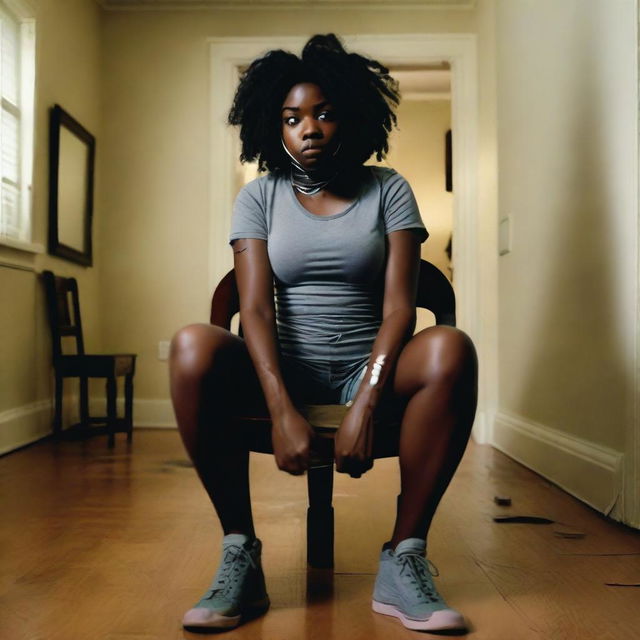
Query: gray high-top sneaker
(404, 588)
(238, 589)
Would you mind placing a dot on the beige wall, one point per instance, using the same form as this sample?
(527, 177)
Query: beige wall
(156, 159)
(68, 73)
(567, 165)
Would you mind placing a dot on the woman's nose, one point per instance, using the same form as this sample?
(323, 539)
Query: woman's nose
(311, 129)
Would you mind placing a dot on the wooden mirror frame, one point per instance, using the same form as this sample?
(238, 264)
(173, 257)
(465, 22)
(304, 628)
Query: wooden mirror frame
(58, 118)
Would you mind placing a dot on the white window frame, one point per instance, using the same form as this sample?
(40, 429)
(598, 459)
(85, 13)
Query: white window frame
(22, 12)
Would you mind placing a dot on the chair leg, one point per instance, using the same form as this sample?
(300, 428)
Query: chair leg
(111, 410)
(128, 405)
(320, 517)
(84, 401)
(57, 409)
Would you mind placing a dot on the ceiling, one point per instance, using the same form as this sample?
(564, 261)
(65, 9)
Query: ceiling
(424, 84)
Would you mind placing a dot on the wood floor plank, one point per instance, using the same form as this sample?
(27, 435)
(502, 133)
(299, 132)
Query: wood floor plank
(116, 545)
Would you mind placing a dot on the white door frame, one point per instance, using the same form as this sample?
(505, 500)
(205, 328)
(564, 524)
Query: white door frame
(631, 478)
(227, 54)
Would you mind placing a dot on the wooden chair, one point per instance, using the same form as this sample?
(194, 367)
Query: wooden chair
(84, 366)
(435, 293)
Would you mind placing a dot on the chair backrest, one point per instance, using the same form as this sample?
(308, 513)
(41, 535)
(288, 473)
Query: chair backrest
(435, 293)
(61, 321)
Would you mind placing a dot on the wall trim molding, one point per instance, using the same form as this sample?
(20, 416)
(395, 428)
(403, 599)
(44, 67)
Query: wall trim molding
(587, 470)
(631, 495)
(29, 423)
(26, 424)
(148, 413)
(424, 96)
(299, 5)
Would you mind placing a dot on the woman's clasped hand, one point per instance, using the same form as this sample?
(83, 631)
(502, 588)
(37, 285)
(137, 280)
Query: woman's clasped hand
(292, 437)
(293, 441)
(354, 440)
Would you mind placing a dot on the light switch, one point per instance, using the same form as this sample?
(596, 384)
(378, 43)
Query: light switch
(504, 236)
(163, 349)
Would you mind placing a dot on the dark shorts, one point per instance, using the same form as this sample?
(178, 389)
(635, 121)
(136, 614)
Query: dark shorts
(323, 381)
(327, 382)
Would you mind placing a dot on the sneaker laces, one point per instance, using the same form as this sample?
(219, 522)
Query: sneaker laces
(417, 570)
(229, 577)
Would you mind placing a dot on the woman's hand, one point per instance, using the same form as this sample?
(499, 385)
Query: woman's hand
(291, 436)
(354, 441)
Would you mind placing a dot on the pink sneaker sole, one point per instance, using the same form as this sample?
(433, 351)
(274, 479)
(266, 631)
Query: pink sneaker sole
(444, 620)
(200, 618)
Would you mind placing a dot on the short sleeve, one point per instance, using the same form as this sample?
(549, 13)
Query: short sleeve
(248, 219)
(400, 207)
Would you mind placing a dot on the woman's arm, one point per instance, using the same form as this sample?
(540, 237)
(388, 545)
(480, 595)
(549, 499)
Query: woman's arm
(354, 439)
(291, 433)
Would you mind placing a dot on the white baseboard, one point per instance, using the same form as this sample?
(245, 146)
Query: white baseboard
(32, 422)
(153, 413)
(586, 470)
(24, 425)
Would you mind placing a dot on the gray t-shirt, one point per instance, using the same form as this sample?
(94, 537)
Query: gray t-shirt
(329, 270)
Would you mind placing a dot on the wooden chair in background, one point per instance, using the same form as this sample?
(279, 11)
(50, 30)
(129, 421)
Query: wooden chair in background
(62, 322)
(435, 293)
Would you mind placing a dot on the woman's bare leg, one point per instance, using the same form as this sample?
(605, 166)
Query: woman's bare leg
(437, 371)
(211, 374)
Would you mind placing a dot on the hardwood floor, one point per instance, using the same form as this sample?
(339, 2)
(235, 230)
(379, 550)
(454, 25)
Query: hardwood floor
(102, 545)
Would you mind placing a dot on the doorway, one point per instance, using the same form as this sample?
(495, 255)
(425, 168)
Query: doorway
(418, 151)
(407, 51)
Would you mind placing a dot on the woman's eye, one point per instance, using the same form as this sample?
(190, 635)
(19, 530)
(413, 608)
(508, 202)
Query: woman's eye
(326, 115)
(291, 120)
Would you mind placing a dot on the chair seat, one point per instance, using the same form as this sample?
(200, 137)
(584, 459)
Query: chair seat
(325, 419)
(97, 365)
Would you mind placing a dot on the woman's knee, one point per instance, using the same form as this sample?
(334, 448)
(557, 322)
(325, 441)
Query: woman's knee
(194, 348)
(449, 356)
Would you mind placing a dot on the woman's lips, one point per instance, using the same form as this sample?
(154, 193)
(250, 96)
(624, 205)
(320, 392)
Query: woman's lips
(309, 151)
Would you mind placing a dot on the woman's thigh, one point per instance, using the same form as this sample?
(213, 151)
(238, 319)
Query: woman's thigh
(221, 362)
(434, 355)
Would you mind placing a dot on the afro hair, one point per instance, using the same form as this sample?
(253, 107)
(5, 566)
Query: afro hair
(359, 88)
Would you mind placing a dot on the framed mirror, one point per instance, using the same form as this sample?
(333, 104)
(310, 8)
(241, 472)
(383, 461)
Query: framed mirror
(71, 166)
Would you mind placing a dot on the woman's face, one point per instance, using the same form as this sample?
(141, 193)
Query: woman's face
(309, 125)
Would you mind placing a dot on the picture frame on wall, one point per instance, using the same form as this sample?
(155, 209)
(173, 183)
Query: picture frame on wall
(448, 162)
(71, 175)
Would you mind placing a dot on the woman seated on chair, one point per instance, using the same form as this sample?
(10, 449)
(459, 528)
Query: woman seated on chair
(341, 240)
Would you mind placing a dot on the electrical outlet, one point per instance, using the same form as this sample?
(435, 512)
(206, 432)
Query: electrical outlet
(163, 350)
(504, 236)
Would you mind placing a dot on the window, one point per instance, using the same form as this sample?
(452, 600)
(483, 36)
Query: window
(17, 79)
